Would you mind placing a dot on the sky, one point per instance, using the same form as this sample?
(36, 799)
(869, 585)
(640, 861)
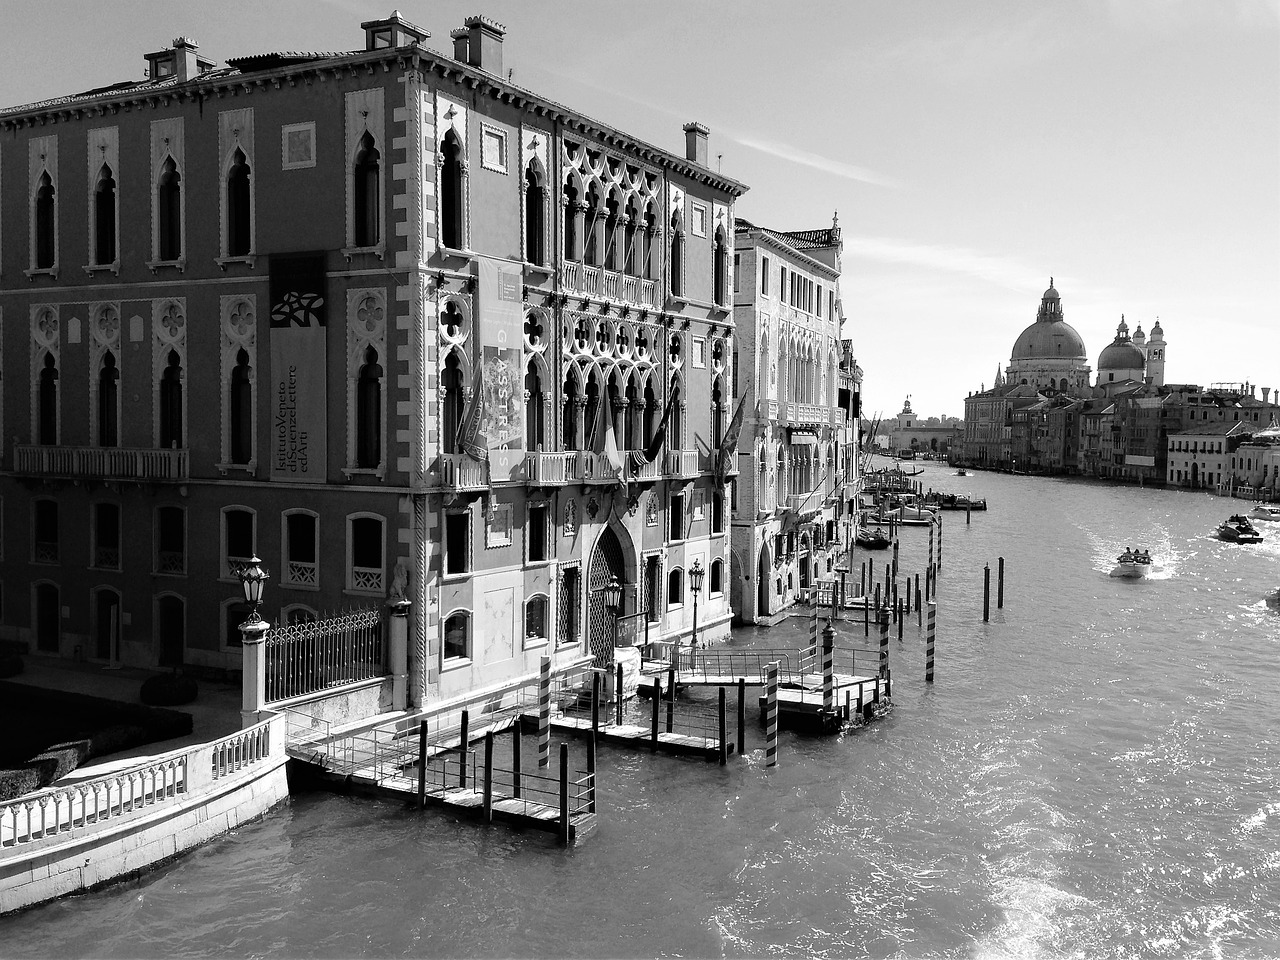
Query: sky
(1130, 149)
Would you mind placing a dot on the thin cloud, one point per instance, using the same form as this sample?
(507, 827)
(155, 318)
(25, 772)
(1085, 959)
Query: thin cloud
(997, 270)
(818, 162)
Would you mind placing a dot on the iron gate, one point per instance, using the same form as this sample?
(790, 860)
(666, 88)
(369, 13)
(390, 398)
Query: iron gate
(606, 562)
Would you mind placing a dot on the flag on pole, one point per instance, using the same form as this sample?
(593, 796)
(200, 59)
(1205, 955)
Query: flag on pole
(471, 439)
(610, 448)
(729, 446)
(660, 435)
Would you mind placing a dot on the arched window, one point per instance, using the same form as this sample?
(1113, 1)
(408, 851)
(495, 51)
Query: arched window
(451, 234)
(104, 217)
(593, 431)
(369, 412)
(169, 212)
(716, 578)
(171, 402)
(591, 245)
(677, 257)
(629, 437)
(239, 232)
(569, 414)
(675, 588)
(650, 231)
(717, 414)
(367, 553)
(535, 218)
(452, 412)
(651, 414)
(48, 414)
(675, 425)
(457, 636)
(571, 235)
(535, 619)
(108, 397)
(366, 207)
(302, 541)
(241, 410)
(721, 268)
(611, 231)
(633, 229)
(46, 224)
(535, 412)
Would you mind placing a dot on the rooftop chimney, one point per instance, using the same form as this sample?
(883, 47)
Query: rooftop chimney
(395, 31)
(1266, 393)
(179, 61)
(460, 38)
(484, 45)
(695, 143)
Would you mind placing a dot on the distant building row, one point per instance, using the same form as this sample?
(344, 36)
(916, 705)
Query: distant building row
(1043, 416)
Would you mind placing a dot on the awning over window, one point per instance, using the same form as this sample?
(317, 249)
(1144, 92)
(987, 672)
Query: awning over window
(803, 438)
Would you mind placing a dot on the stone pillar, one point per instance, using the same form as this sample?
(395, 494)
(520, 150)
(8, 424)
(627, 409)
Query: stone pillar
(398, 651)
(254, 678)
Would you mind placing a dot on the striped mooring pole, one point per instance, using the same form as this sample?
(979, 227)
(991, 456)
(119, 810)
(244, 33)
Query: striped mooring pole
(928, 643)
(884, 646)
(828, 668)
(771, 715)
(544, 713)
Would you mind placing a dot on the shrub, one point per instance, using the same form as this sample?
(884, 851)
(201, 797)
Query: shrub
(168, 690)
(40, 771)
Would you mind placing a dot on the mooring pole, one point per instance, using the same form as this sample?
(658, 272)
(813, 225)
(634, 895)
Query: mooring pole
(515, 759)
(884, 646)
(595, 702)
(617, 695)
(939, 542)
(862, 583)
(671, 700)
(986, 593)
(591, 775)
(422, 765)
(1000, 587)
(900, 619)
(929, 640)
(828, 669)
(918, 614)
(657, 702)
(724, 731)
(564, 794)
(742, 716)
(544, 713)
(866, 615)
(895, 559)
(464, 741)
(771, 715)
(488, 776)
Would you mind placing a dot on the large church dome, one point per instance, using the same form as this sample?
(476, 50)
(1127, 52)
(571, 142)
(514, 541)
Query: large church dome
(1122, 355)
(1050, 337)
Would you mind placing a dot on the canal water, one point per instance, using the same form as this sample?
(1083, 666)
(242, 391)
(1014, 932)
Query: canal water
(1094, 774)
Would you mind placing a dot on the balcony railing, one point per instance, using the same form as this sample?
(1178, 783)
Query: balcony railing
(546, 469)
(682, 463)
(773, 409)
(109, 463)
(597, 281)
(459, 472)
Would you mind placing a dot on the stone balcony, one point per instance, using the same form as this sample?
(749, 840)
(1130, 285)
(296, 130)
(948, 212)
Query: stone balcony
(101, 463)
(584, 280)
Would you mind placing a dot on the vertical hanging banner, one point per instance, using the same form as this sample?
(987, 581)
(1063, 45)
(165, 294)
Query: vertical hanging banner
(499, 325)
(297, 393)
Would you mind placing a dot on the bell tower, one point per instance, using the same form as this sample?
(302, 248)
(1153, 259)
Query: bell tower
(1155, 356)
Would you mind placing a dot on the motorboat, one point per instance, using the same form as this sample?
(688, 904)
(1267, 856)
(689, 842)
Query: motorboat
(1264, 511)
(1237, 529)
(1132, 564)
(962, 472)
(915, 516)
(871, 539)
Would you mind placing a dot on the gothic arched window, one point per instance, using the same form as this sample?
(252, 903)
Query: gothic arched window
(46, 225)
(171, 402)
(366, 207)
(104, 217)
(241, 410)
(369, 412)
(48, 412)
(451, 192)
(169, 211)
(108, 394)
(239, 234)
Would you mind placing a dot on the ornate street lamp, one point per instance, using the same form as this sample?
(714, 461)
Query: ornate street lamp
(696, 573)
(613, 595)
(252, 580)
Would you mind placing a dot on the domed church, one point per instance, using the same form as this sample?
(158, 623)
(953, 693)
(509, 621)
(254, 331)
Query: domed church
(1127, 360)
(1049, 354)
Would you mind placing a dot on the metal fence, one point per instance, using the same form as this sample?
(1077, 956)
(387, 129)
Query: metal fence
(317, 655)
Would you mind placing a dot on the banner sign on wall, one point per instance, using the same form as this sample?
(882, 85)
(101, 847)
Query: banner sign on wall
(298, 369)
(499, 324)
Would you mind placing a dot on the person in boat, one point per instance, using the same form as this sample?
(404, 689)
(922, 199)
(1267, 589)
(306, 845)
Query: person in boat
(1127, 556)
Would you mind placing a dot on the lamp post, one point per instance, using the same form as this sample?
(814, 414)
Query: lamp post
(696, 573)
(252, 633)
(613, 601)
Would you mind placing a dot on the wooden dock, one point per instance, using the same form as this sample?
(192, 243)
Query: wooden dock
(637, 736)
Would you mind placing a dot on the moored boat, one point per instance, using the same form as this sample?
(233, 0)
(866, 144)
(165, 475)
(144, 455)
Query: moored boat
(1237, 529)
(871, 539)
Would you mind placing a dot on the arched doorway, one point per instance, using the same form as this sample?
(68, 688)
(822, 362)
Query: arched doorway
(607, 561)
(1195, 474)
(763, 584)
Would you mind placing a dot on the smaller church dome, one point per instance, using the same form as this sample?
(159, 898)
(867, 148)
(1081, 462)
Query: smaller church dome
(1121, 355)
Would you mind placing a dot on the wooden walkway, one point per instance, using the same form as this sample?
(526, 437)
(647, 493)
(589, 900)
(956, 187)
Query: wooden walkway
(635, 735)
